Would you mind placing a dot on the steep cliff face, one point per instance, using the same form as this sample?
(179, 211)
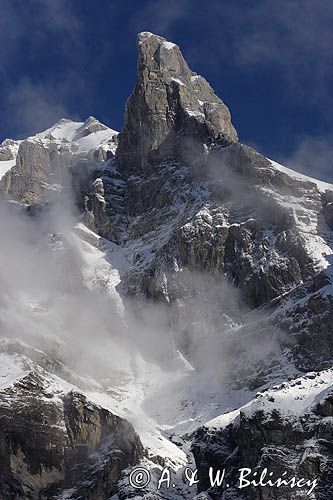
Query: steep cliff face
(172, 113)
(287, 430)
(217, 206)
(52, 438)
(227, 210)
(44, 164)
(235, 249)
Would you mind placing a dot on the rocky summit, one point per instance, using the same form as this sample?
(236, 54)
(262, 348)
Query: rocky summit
(172, 112)
(166, 301)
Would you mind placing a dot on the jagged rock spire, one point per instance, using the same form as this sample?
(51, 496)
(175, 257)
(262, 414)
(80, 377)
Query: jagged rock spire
(172, 111)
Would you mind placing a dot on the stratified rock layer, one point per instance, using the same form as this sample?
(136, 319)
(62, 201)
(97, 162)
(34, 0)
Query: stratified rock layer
(237, 247)
(289, 440)
(56, 159)
(52, 439)
(172, 112)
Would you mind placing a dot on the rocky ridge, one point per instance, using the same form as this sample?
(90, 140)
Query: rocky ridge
(44, 162)
(52, 436)
(286, 429)
(201, 217)
(172, 112)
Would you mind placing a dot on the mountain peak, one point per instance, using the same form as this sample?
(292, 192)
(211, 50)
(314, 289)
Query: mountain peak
(90, 126)
(145, 35)
(151, 38)
(169, 102)
(91, 119)
(62, 121)
(32, 168)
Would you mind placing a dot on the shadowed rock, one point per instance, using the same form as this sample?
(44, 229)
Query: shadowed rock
(55, 440)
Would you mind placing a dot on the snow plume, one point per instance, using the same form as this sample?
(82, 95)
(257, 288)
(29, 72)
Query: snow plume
(59, 294)
(205, 332)
(228, 173)
(52, 288)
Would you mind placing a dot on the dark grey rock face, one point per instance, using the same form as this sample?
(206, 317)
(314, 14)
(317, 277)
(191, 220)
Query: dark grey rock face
(238, 225)
(172, 112)
(36, 168)
(233, 222)
(104, 202)
(51, 441)
(327, 200)
(186, 199)
(296, 443)
(306, 313)
(50, 162)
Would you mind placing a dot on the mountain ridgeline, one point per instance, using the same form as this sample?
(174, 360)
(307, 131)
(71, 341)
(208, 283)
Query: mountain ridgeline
(198, 256)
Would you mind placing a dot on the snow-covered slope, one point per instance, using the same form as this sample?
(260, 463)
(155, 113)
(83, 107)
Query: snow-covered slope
(33, 169)
(322, 186)
(87, 135)
(305, 211)
(8, 153)
(189, 292)
(291, 399)
(6, 165)
(82, 136)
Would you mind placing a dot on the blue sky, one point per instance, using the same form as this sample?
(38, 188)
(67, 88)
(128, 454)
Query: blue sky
(270, 61)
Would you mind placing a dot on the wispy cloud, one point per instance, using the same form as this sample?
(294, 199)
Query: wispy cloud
(293, 38)
(162, 15)
(31, 24)
(33, 107)
(313, 156)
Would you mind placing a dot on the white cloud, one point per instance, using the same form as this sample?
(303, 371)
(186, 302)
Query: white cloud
(313, 156)
(33, 107)
(162, 15)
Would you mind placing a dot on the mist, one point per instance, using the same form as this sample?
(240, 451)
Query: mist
(45, 299)
(55, 296)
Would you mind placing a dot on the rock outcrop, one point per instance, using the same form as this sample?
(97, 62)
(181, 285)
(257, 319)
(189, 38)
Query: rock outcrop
(269, 433)
(172, 113)
(38, 169)
(53, 439)
(8, 150)
(227, 210)
(236, 247)
(104, 201)
(57, 159)
(327, 200)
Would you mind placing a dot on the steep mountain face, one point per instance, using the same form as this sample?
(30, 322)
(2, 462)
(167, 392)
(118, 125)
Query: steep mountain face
(44, 162)
(287, 429)
(201, 269)
(229, 210)
(172, 112)
(52, 438)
